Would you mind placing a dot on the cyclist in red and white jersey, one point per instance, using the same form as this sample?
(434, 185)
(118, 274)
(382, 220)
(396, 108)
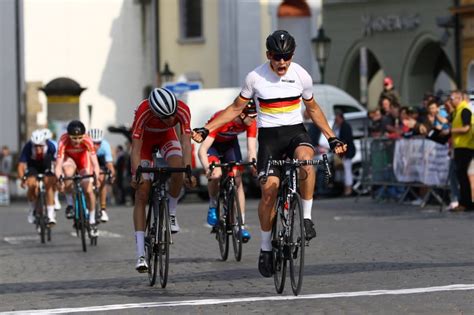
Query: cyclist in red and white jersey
(222, 146)
(278, 87)
(154, 127)
(76, 154)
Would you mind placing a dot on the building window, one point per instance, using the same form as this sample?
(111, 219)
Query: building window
(191, 20)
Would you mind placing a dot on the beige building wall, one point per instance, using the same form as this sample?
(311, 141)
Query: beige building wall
(185, 56)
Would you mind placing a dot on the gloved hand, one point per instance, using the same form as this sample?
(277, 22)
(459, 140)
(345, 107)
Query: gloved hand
(337, 145)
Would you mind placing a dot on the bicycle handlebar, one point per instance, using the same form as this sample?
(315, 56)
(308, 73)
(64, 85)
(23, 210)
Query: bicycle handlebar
(162, 170)
(77, 177)
(232, 164)
(295, 163)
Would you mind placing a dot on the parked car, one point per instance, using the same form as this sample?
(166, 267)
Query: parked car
(205, 102)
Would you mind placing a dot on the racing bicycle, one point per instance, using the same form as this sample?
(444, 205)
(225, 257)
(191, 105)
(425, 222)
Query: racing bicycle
(288, 233)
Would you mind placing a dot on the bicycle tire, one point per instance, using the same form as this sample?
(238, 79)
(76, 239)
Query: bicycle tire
(221, 227)
(40, 208)
(235, 222)
(297, 243)
(279, 259)
(150, 245)
(82, 222)
(164, 239)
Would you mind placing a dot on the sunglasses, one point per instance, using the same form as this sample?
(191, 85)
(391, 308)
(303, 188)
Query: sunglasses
(76, 138)
(98, 142)
(38, 145)
(285, 57)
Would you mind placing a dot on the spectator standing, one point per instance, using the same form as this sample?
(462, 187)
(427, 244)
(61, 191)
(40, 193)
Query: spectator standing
(463, 144)
(375, 123)
(344, 132)
(6, 165)
(389, 91)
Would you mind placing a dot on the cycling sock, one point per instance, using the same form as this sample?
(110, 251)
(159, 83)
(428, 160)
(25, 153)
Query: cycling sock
(140, 243)
(266, 243)
(307, 206)
(32, 205)
(92, 217)
(212, 202)
(173, 203)
(243, 218)
(69, 199)
(51, 212)
(56, 199)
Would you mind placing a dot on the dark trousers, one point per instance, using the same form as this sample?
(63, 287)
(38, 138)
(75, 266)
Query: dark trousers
(462, 158)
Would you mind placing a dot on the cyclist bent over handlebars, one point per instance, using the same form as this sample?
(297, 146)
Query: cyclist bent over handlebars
(278, 86)
(153, 126)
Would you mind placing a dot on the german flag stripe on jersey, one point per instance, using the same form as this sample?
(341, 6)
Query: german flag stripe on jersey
(280, 105)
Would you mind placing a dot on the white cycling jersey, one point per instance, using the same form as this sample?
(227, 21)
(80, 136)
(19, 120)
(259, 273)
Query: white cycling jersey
(278, 98)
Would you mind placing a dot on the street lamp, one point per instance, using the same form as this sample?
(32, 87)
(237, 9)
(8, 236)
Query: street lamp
(321, 46)
(166, 75)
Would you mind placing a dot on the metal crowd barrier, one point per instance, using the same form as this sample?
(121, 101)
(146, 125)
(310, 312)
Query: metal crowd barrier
(378, 171)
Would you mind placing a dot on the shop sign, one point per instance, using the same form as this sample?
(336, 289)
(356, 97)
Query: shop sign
(389, 23)
(468, 28)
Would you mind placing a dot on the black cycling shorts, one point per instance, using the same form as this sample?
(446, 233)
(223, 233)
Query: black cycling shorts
(279, 143)
(43, 166)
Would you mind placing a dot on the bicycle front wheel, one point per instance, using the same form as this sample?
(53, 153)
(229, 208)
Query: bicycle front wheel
(278, 250)
(297, 244)
(82, 221)
(151, 245)
(221, 227)
(41, 210)
(235, 221)
(164, 239)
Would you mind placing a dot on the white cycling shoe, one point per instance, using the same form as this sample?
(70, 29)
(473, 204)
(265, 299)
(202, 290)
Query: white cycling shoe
(174, 224)
(141, 265)
(104, 217)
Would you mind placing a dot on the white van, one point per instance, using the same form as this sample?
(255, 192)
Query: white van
(205, 102)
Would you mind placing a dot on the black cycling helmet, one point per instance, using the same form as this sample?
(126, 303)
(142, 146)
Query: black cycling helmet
(250, 109)
(76, 128)
(281, 42)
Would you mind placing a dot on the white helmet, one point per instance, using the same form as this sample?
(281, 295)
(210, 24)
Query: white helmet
(96, 134)
(47, 133)
(162, 102)
(38, 137)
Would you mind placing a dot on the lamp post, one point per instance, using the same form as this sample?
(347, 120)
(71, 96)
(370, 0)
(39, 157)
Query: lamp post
(321, 46)
(166, 75)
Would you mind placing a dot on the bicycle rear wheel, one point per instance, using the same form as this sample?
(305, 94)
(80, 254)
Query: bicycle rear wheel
(297, 244)
(164, 240)
(151, 246)
(235, 221)
(221, 227)
(279, 259)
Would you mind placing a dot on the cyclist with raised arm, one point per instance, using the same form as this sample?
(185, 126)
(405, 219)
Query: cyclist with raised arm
(106, 164)
(278, 86)
(223, 142)
(37, 157)
(76, 154)
(154, 128)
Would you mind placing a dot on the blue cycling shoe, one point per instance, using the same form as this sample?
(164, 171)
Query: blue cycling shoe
(245, 235)
(212, 216)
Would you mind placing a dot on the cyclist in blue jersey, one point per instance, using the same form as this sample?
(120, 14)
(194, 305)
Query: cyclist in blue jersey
(37, 157)
(106, 163)
(49, 136)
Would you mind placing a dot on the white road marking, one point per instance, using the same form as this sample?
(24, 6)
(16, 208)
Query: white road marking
(454, 287)
(102, 233)
(15, 240)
